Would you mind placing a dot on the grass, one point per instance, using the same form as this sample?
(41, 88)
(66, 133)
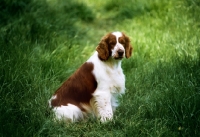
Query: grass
(44, 42)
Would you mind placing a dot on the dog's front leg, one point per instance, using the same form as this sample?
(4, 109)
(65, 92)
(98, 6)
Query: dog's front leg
(101, 104)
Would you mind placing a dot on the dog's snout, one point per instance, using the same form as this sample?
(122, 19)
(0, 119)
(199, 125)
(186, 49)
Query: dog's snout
(120, 52)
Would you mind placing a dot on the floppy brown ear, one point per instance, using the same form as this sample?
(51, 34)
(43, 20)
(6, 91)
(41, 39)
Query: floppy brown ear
(102, 49)
(128, 47)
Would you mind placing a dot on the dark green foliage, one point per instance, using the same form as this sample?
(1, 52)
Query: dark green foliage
(12, 9)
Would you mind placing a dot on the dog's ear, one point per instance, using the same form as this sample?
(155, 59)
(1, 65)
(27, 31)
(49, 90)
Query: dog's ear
(128, 47)
(102, 48)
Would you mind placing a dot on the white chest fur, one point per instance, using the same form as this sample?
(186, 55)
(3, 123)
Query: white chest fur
(109, 75)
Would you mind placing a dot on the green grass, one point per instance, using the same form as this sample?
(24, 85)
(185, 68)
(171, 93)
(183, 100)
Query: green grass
(44, 42)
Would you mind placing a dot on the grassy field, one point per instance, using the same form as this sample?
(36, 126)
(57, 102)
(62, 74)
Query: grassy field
(44, 42)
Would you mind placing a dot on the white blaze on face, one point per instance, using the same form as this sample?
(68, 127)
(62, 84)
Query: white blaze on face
(118, 45)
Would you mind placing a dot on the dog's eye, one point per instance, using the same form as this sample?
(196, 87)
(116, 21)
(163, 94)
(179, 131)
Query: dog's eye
(112, 43)
(122, 42)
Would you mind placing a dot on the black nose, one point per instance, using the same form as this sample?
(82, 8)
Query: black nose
(120, 52)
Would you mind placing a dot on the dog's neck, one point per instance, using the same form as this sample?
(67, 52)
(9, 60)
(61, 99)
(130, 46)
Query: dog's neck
(113, 63)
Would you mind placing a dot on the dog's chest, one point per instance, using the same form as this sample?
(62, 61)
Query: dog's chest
(110, 79)
(116, 80)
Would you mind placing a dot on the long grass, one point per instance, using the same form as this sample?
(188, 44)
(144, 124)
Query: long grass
(43, 42)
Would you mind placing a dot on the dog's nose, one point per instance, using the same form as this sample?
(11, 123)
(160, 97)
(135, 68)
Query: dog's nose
(120, 52)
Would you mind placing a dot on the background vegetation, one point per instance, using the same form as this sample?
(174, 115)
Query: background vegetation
(42, 42)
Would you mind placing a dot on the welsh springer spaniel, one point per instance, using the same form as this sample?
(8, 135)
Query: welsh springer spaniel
(95, 86)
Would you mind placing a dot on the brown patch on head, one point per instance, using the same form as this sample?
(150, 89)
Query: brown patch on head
(105, 45)
(127, 45)
(78, 88)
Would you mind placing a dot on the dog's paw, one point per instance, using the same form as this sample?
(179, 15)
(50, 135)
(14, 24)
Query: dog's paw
(106, 117)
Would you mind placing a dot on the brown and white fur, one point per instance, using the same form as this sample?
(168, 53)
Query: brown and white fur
(96, 85)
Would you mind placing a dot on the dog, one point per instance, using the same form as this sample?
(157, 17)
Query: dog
(94, 88)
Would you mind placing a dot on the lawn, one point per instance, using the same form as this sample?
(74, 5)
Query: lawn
(42, 42)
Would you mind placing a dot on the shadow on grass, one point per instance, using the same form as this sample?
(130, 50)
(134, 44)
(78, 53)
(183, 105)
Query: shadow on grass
(25, 25)
(194, 9)
(170, 93)
(38, 21)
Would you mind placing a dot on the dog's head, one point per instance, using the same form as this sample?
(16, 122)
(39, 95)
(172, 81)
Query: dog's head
(115, 45)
